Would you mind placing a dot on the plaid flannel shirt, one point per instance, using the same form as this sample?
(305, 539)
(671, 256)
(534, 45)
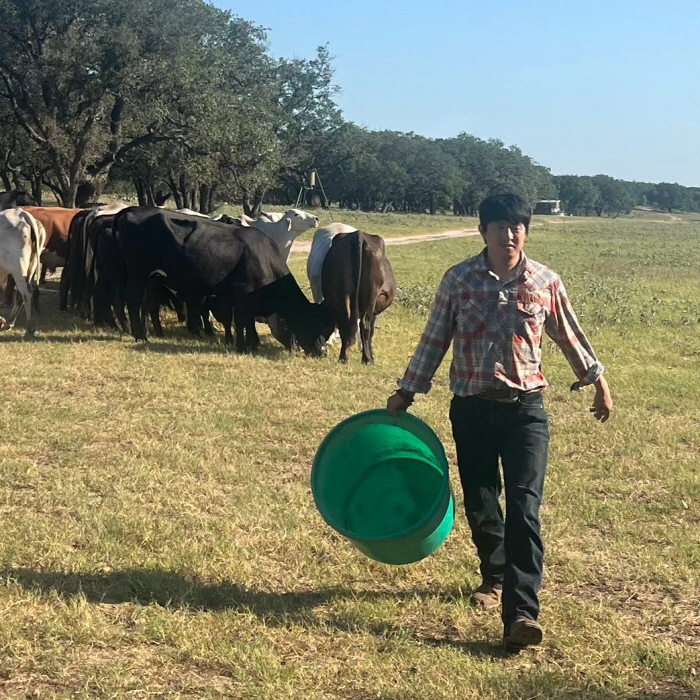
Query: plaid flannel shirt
(497, 330)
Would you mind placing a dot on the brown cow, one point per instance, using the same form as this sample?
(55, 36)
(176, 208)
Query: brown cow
(358, 284)
(56, 221)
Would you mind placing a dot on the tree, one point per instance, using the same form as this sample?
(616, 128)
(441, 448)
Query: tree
(92, 80)
(670, 196)
(579, 194)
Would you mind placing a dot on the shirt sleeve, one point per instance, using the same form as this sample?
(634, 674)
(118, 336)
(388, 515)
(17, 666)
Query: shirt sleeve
(564, 329)
(433, 344)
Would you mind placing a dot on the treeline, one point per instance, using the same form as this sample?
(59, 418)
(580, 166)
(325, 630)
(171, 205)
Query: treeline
(601, 194)
(177, 98)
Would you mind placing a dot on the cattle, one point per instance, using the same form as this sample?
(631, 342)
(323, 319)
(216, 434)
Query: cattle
(56, 222)
(78, 275)
(22, 239)
(286, 229)
(242, 268)
(16, 198)
(357, 285)
(320, 245)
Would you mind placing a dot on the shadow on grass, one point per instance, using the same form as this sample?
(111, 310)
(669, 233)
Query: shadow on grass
(174, 591)
(166, 347)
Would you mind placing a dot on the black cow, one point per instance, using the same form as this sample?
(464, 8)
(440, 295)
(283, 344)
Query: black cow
(241, 268)
(358, 284)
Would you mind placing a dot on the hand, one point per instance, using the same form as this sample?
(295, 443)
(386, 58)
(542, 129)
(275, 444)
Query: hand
(602, 403)
(399, 401)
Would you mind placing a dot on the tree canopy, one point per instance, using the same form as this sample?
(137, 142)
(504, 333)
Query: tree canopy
(180, 98)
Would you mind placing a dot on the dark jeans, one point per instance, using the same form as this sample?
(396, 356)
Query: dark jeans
(511, 551)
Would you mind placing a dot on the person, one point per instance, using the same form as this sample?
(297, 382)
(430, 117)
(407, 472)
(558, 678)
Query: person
(495, 307)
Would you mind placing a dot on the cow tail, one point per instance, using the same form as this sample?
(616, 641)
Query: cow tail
(34, 272)
(357, 274)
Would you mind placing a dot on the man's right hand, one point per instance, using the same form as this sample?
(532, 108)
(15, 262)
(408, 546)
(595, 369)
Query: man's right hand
(399, 401)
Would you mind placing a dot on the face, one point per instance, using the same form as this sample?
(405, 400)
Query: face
(504, 240)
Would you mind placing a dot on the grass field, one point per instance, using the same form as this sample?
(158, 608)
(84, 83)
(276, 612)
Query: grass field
(159, 538)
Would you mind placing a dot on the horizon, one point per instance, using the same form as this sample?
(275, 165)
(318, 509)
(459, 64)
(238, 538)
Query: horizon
(583, 118)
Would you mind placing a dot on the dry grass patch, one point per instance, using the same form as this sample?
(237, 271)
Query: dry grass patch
(160, 540)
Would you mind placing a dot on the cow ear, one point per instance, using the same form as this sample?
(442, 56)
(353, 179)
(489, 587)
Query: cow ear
(289, 224)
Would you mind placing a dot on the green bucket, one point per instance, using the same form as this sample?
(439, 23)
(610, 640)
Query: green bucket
(382, 481)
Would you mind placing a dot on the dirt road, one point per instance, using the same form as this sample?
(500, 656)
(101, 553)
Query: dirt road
(305, 246)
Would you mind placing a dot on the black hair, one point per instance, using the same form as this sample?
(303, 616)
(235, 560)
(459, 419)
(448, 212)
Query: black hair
(505, 207)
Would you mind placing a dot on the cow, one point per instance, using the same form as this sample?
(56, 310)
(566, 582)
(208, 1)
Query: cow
(22, 239)
(56, 222)
(242, 268)
(78, 275)
(16, 198)
(320, 245)
(357, 284)
(289, 226)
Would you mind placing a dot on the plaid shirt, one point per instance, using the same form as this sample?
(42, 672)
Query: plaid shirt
(497, 330)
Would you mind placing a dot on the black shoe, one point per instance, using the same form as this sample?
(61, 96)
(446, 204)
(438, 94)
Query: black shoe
(522, 633)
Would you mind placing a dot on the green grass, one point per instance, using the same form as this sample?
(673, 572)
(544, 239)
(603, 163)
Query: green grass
(160, 540)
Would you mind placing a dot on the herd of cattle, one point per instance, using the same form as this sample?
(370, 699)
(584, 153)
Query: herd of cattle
(120, 259)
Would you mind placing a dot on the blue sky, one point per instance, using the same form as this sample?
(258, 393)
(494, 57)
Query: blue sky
(582, 86)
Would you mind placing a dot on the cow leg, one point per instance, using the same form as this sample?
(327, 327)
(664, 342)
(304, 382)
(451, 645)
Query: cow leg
(134, 294)
(9, 290)
(225, 317)
(151, 302)
(206, 323)
(194, 316)
(252, 337)
(64, 287)
(87, 296)
(366, 336)
(42, 277)
(35, 297)
(23, 298)
(103, 313)
(240, 321)
(347, 330)
(179, 305)
(118, 303)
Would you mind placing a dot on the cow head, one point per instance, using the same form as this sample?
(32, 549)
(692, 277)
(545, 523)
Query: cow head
(300, 221)
(318, 327)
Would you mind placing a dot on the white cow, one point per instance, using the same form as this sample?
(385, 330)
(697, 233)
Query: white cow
(283, 231)
(192, 212)
(321, 244)
(22, 238)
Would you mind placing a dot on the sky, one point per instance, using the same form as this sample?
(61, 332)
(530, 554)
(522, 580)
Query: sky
(582, 86)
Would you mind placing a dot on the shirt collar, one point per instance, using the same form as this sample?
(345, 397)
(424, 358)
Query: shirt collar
(524, 270)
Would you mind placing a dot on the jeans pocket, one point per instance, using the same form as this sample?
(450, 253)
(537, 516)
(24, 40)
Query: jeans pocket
(532, 400)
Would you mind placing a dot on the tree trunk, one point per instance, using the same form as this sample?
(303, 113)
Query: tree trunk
(37, 189)
(140, 186)
(5, 180)
(184, 193)
(204, 201)
(174, 189)
(431, 203)
(252, 203)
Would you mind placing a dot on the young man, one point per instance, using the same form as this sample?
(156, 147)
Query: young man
(495, 306)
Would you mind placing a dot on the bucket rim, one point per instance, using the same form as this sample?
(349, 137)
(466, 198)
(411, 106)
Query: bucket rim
(403, 416)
